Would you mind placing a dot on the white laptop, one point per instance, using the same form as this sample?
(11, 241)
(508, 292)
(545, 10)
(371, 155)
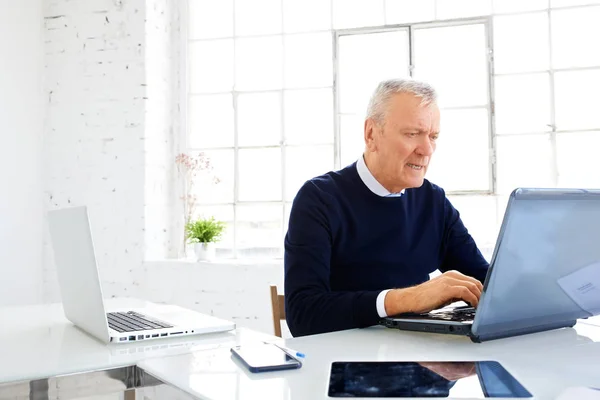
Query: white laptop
(82, 294)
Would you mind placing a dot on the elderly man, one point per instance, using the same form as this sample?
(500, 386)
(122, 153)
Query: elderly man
(362, 241)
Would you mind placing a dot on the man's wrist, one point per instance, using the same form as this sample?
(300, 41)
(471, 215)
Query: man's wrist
(398, 301)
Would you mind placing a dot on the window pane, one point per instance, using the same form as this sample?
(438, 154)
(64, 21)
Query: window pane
(522, 103)
(358, 76)
(357, 13)
(260, 174)
(352, 138)
(478, 213)
(506, 6)
(210, 19)
(304, 163)
(308, 116)
(205, 189)
(224, 214)
(259, 119)
(568, 3)
(461, 160)
(211, 121)
(259, 229)
(575, 36)
(521, 43)
(447, 9)
(454, 60)
(211, 66)
(523, 161)
(258, 63)
(577, 99)
(257, 17)
(402, 11)
(306, 15)
(308, 60)
(578, 161)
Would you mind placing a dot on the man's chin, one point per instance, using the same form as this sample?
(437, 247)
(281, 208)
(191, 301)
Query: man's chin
(415, 183)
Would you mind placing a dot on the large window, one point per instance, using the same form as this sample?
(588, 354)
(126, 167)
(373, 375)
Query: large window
(277, 91)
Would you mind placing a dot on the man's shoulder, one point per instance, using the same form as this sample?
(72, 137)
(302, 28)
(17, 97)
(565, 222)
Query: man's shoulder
(430, 188)
(330, 184)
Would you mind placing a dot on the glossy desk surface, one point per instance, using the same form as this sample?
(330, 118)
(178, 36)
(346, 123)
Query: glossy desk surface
(545, 363)
(37, 342)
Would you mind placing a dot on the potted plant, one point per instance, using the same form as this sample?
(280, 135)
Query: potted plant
(203, 233)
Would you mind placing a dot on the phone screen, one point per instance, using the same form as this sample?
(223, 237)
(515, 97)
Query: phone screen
(480, 379)
(264, 356)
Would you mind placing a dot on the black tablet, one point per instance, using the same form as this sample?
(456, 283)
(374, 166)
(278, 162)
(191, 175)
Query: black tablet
(478, 379)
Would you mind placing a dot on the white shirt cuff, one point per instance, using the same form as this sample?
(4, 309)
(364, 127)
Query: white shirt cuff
(381, 303)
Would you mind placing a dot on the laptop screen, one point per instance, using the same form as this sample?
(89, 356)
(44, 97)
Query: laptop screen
(546, 265)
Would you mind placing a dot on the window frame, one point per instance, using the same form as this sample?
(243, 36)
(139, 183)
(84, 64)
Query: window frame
(410, 28)
(183, 80)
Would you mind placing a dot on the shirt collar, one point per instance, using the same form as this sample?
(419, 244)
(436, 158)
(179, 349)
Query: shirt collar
(370, 182)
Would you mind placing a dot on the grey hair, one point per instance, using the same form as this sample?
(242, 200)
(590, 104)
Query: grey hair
(386, 89)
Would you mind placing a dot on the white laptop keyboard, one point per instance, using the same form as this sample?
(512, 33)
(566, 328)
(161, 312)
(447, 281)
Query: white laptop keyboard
(131, 321)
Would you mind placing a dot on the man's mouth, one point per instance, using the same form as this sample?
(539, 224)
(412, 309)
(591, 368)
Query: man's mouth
(415, 166)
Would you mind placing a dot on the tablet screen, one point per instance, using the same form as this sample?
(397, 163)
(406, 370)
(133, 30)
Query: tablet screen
(479, 379)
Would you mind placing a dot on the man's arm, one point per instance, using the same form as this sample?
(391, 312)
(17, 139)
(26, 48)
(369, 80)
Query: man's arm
(461, 252)
(311, 306)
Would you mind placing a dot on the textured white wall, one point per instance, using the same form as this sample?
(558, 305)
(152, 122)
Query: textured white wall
(112, 87)
(94, 134)
(21, 129)
(236, 291)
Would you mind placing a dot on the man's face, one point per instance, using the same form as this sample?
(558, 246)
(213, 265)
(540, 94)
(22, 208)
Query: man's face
(403, 146)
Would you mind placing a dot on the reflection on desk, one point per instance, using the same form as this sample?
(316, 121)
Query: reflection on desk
(544, 363)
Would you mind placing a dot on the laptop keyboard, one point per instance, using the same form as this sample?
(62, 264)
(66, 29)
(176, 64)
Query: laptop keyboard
(131, 321)
(457, 314)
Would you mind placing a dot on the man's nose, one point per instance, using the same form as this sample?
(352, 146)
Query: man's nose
(425, 147)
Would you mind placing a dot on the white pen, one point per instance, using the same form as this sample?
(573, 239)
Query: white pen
(289, 351)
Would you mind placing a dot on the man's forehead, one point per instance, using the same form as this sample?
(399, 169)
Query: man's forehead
(418, 117)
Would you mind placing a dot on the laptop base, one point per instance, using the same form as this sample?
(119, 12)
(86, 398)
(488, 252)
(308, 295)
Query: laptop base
(452, 329)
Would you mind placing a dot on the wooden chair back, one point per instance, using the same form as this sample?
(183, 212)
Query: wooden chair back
(278, 309)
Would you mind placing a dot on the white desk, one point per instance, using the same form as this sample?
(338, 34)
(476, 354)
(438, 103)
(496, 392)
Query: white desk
(37, 342)
(546, 363)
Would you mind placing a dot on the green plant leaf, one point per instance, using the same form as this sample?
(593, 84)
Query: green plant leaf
(204, 230)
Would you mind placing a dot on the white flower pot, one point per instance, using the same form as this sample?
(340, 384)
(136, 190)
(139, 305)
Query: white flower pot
(205, 251)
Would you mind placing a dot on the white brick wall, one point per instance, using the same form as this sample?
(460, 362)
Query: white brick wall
(112, 84)
(94, 133)
(232, 290)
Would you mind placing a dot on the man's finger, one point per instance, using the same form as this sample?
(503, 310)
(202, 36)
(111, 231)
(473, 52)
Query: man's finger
(463, 277)
(473, 288)
(465, 294)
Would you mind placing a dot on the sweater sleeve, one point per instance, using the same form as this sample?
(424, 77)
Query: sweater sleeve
(311, 306)
(461, 252)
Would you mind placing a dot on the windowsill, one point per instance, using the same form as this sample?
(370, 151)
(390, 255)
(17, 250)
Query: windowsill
(224, 262)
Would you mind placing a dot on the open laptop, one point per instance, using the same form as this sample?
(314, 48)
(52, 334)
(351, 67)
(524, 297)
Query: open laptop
(544, 273)
(82, 294)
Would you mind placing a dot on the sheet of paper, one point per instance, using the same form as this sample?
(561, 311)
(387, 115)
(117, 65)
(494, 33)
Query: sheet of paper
(583, 286)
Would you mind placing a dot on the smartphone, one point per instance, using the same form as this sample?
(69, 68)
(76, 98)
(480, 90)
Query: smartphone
(264, 357)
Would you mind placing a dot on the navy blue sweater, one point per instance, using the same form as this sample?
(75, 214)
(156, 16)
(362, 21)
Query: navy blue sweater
(345, 245)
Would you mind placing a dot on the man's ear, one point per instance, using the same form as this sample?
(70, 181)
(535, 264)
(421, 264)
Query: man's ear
(370, 132)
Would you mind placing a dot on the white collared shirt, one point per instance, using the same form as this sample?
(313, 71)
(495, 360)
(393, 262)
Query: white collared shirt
(369, 180)
(374, 186)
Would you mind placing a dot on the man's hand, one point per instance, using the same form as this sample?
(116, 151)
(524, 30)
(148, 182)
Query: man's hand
(440, 291)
